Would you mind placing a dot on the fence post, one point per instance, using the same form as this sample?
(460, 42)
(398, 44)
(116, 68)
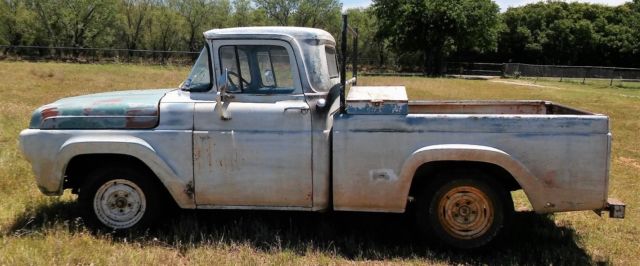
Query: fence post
(584, 78)
(613, 74)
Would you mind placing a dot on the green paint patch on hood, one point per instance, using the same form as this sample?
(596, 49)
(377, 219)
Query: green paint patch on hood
(135, 109)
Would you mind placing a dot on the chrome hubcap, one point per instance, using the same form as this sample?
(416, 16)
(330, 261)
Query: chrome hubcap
(119, 204)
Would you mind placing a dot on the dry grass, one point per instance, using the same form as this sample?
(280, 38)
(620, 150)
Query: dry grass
(35, 229)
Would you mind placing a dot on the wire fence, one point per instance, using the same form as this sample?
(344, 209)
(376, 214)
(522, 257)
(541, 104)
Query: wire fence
(474, 69)
(572, 72)
(583, 74)
(368, 66)
(96, 55)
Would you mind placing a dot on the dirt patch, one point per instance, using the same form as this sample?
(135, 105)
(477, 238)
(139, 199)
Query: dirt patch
(629, 161)
(527, 84)
(519, 83)
(474, 77)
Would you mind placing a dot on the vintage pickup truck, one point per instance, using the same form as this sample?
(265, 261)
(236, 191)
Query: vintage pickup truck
(261, 122)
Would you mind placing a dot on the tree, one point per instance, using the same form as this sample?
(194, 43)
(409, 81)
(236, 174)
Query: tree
(245, 14)
(89, 23)
(280, 11)
(242, 13)
(318, 13)
(436, 28)
(77, 23)
(149, 24)
(135, 14)
(17, 23)
(571, 34)
(221, 15)
(303, 13)
(164, 29)
(195, 14)
(368, 45)
(635, 25)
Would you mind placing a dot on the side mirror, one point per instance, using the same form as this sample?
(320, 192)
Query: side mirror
(222, 98)
(224, 85)
(223, 81)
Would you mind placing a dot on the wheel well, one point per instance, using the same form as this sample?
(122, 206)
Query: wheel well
(81, 165)
(426, 173)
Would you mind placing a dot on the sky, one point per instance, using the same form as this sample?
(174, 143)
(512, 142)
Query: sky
(504, 4)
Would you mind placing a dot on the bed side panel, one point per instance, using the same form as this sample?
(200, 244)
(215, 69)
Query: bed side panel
(566, 155)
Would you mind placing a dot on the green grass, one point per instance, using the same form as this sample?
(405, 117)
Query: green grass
(35, 229)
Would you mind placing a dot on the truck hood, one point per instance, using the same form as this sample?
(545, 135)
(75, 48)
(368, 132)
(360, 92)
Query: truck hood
(136, 109)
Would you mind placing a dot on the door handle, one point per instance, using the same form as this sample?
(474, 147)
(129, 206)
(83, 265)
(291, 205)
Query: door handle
(302, 109)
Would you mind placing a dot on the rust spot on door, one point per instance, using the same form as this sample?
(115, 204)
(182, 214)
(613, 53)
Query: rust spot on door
(549, 179)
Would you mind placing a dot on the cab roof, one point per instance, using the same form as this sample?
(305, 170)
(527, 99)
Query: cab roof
(298, 33)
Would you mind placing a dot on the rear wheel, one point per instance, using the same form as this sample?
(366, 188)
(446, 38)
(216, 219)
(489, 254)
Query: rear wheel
(465, 212)
(119, 199)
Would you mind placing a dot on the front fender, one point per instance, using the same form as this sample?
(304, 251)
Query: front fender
(131, 146)
(473, 153)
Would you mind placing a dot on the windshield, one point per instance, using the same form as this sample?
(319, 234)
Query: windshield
(199, 78)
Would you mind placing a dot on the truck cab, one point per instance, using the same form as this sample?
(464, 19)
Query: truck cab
(268, 112)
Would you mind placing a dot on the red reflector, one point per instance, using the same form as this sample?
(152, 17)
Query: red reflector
(49, 112)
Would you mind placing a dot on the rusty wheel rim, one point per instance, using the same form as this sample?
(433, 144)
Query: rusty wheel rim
(465, 212)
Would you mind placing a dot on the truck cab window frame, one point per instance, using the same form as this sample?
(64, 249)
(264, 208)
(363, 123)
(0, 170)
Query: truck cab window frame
(200, 78)
(258, 68)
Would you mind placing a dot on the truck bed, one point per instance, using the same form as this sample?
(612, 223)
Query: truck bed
(563, 151)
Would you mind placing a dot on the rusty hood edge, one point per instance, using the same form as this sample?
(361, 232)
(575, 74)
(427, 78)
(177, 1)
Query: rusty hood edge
(132, 109)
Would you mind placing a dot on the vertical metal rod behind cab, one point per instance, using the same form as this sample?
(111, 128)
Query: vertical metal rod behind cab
(343, 64)
(354, 61)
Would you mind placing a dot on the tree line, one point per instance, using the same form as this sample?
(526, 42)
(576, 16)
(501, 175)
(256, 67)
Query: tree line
(402, 34)
(167, 25)
(427, 33)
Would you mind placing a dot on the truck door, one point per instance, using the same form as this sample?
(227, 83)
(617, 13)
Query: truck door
(261, 155)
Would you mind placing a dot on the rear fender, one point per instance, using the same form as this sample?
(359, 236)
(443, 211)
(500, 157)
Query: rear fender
(473, 153)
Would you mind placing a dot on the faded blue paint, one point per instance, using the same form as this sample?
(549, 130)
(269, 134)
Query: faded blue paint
(377, 100)
(419, 123)
(110, 110)
(386, 108)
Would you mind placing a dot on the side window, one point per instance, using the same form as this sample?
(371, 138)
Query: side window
(331, 61)
(237, 62)
(266, 69)
(275, 67)
(199, 78)
(258, 69)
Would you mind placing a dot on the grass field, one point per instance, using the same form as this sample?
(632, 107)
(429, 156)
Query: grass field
(35, 229)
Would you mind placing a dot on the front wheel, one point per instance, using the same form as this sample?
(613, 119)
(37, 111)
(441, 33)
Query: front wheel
(465, 212)
(118, 199)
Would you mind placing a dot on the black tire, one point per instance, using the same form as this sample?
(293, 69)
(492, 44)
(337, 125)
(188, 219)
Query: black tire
(119, 199)
(464, 210)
